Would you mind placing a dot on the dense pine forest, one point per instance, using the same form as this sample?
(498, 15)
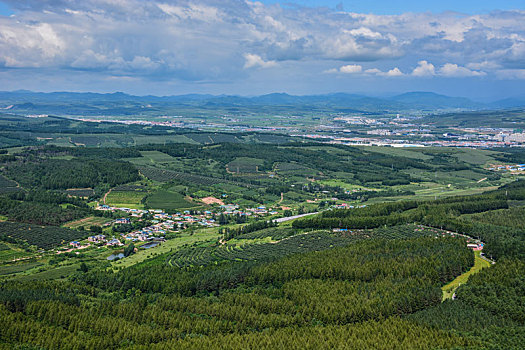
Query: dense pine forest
(369, 276)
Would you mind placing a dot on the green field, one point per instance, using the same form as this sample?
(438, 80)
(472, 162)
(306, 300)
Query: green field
(450, 288)
(18, 268)
(172, 244)
(157, 157)
(169, 200)
(86, 222)
(476, 156)
(414, 153)
(125, 199)
(12, 253)
(60, 272)
(244, 165)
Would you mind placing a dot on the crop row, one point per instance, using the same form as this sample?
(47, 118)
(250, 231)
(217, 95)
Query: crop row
(163, 175)
(407, 231)
(290, 242)
(313, 241)
(41, 236)
(7, 186)
(276, 233)
(128, 187)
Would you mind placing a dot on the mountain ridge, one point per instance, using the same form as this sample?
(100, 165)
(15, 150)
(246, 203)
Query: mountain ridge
(412, 100)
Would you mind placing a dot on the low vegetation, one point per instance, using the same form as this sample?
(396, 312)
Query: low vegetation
(368, 271)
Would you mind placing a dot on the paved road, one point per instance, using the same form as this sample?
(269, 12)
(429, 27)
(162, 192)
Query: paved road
(288, 218)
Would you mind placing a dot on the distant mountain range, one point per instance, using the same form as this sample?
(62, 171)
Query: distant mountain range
(86, 103)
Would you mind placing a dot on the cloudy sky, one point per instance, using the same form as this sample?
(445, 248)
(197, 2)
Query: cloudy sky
(164, 47)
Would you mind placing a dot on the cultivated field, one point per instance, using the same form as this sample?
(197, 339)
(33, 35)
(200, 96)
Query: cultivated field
(86, 222)
(126, 199)
(170, 201)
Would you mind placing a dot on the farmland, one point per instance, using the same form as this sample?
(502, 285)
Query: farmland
(377, 256)
(126, 199)
(244, 165)
(18, 268)
(200, 237)
(86, 222)
(7, 186)
(286, 241)
(80, 192)
(169, 200)
(41, 236)
(168, 175)
(10, 252)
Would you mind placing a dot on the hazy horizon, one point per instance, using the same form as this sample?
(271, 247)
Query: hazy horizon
(386, 95)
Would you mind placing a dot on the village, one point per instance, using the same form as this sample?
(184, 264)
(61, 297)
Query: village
(513, 168)
(157, 224)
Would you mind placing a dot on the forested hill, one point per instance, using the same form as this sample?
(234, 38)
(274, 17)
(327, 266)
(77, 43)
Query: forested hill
(502, 240)
(369, 276)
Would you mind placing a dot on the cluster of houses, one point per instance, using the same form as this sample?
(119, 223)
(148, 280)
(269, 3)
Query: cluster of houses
(163, 222)
(515, 167)
(98, 240)
(233, 209)
(475, 246)
(132, 212)
(150, 233)
(347, 206)
(203, 218)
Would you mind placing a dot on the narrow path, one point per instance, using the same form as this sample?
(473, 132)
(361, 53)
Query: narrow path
(105, 195)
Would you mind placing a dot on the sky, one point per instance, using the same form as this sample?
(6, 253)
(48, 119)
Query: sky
(465, 48)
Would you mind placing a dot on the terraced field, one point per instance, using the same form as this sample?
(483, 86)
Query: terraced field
(201, 256)
(275, 233)
(290, 241)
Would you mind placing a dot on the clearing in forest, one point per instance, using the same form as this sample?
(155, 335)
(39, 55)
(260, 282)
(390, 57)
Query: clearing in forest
(479, 264)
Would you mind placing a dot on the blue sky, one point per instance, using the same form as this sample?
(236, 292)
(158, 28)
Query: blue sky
(5, 10)
(403, 6)
(167, 47)
(389, 6)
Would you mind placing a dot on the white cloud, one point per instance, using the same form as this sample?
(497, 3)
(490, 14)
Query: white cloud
(211, 40)
(365, 32)
(395, 72)
(424, 69)
(511, 74)
(483, 65)
(253, 60)
(351, 69)
(453, 70)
